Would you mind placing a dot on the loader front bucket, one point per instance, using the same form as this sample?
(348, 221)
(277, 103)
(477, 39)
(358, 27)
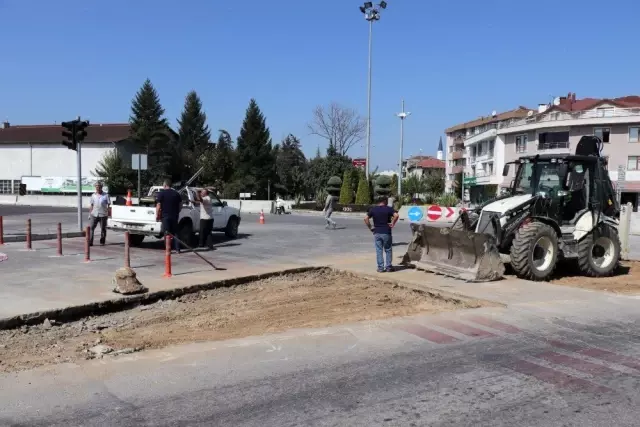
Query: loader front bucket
(461, 254)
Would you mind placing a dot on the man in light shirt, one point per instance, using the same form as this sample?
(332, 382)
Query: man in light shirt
(99, 213)
(206, 218)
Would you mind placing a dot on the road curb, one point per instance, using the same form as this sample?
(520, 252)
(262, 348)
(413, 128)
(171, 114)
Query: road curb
(34, 237)
(335, 213)
(71, 313)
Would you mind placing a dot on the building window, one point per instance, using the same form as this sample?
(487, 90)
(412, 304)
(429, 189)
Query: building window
(633, 134)
(521, 144)
(6, 186)
(632, 163)
(602, 133)
(551, 140)
(490, 168)
(604, 112)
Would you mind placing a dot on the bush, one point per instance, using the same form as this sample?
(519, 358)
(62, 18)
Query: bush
(333, 186)
(382, 186)
(447, 199)
(394, 186)
(363, 197)
(321, 197)
(346, 192)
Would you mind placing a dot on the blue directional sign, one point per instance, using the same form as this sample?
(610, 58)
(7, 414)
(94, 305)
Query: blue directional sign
(415, 213)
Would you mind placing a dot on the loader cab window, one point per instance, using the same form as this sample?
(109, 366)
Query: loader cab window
(539, 178)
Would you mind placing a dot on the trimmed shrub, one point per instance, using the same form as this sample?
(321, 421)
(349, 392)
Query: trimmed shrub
(333, 186)
(382, 186)
(346, 192)
(363, 197)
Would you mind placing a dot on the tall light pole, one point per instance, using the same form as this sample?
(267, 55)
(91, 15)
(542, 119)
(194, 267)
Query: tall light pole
(403, 115)
(371, 13)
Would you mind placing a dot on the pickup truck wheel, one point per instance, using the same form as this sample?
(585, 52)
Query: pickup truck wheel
(232, 228)
(135, 239)
(185, 233)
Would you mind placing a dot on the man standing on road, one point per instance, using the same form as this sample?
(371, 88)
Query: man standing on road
(206, 219)
(168, 206)
(384, 219)
(328, 210)
(99, 213)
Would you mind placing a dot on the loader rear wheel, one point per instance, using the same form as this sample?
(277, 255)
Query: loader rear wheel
(534, 251)
(599, 252)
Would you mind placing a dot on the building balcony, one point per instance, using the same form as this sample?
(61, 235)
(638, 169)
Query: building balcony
(488, 133)
(557, 118)
(457, 169)
(553, 146)
(457, 155)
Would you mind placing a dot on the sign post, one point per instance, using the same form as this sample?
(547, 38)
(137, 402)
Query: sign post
(622, 172)
(139, 163)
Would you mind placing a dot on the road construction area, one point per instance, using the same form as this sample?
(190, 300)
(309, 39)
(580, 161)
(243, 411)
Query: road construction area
(307, 300)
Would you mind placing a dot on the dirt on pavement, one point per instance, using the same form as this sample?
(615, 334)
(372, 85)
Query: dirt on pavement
(625, 281)
(316, 299)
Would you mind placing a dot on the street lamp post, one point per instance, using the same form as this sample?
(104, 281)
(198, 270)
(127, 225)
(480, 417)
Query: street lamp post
(371, 13)
(403, 115)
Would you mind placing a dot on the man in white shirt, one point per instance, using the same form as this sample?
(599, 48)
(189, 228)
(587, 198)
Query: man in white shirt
(206, 219)
(99, 213)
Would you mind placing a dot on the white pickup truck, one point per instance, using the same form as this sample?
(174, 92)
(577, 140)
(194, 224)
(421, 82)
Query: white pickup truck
(140, 220)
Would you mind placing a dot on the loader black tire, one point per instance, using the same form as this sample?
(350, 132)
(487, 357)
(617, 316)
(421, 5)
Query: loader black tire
(599, 252)
(534, 242)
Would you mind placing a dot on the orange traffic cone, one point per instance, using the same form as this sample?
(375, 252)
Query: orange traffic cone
(261, 217)
(129, 202)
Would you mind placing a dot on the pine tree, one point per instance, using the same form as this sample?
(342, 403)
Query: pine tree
(219, 163)
(363, 196)
(346, 192)
(150, 132)
(290, 165)
(394, 186)
(193, 135)
(255, 163)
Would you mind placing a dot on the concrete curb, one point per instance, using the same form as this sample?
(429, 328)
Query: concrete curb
(71, 313)
(335, 213)
(35, 237)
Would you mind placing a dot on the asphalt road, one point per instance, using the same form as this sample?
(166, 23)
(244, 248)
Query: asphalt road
(534, 368)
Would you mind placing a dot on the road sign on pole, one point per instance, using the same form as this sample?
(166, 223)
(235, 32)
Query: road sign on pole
(139, 163)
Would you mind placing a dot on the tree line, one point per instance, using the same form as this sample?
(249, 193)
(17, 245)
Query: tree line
(248, 163)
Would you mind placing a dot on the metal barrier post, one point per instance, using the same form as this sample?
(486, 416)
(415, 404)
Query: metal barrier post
(1, 231)
(167, 256)
(59, 239)
(127, 258)
(87, 250)
(29, 234)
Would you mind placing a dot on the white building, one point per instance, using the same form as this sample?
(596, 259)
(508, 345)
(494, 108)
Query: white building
(37, 151)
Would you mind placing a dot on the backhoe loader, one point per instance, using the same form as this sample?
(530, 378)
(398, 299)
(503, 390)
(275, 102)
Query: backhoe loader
(558, 207)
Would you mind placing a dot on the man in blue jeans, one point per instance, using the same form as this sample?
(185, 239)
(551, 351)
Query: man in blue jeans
(384, 218)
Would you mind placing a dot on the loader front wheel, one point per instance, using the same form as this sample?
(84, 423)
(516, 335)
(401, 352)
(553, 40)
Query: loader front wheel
(534, 251)
(599, 252)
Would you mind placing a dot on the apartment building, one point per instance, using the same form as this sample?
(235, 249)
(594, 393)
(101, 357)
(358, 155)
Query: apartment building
(480, 148)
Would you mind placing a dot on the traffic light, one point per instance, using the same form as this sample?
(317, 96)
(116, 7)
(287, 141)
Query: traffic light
(81, 133)
(75, 133)
(70, 134)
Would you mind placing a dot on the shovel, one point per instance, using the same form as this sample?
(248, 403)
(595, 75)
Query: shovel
(196, 253)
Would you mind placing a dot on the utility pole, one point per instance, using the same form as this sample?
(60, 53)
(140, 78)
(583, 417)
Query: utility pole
(75, 133)
(371, 13)
(402, 115)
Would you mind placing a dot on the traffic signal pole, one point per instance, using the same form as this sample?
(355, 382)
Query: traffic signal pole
(79, 166)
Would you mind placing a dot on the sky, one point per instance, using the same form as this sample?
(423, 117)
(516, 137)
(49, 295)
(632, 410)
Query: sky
(450, 60)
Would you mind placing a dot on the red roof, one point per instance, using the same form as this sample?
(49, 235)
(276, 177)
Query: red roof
(431, 163)
(570, 103)
(108, 132)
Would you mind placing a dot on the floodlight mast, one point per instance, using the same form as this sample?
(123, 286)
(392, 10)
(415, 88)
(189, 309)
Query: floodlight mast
(371, 13)
(402, 115)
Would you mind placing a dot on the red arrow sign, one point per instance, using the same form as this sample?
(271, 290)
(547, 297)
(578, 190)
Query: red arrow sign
(434, 213)
(449, 212)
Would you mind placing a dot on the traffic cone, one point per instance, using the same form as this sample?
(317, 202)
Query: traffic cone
(261, 216)
(129, 202)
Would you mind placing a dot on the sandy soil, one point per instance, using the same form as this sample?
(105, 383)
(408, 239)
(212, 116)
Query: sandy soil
(317, 299)
(625, 281)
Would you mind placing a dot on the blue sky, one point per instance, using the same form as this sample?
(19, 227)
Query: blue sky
(451, 61)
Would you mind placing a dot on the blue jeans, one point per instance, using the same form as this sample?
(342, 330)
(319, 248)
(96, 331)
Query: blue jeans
(383, 242)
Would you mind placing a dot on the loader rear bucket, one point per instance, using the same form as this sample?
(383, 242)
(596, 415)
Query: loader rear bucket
(461, 254)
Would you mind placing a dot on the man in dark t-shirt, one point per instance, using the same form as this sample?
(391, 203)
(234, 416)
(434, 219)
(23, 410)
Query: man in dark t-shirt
(168, 207)
(384, 218)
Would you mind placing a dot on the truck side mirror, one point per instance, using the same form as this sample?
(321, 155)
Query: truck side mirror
(224, 204)
(505, 170)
